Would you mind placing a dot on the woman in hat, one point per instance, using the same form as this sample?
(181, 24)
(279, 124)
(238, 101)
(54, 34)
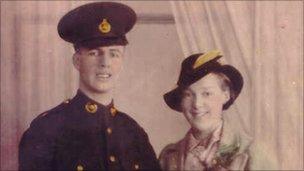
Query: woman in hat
(205, 88)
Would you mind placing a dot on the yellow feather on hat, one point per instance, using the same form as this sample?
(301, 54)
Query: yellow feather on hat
(206, 58)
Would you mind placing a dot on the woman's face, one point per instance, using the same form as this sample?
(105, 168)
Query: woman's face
(202, 103)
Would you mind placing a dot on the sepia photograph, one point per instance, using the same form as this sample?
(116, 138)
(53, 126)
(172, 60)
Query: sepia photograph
(152, 85)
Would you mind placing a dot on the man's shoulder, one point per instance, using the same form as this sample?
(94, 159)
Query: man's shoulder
(51, 117)
(129, 124)
(126, 119)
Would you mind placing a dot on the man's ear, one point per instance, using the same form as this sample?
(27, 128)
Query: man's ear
(226, 96)
(76, 60)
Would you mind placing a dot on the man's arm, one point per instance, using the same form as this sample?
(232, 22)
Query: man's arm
(148, 155)
(35, 150)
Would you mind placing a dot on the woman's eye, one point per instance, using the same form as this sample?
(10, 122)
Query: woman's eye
(186, 94)
(206, 94)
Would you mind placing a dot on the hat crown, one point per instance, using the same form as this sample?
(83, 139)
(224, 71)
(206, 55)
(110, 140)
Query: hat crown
(196, 66)
(106, 22)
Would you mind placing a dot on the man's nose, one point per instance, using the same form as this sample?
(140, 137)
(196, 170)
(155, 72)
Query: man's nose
(105, 60)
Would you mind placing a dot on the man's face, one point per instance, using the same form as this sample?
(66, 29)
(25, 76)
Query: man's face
(202, 103)
(98, 68)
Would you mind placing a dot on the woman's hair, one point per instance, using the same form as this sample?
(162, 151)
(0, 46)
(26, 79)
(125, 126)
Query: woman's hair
(225, 84)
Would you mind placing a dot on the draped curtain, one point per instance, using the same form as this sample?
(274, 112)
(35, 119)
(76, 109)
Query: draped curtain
(264, 40)
(36, 69)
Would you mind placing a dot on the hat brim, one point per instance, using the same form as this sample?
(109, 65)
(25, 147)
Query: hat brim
(236, 80)
(173, 97)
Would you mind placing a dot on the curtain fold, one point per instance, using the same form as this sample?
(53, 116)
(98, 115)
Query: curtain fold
(29, 71)
(264, 40)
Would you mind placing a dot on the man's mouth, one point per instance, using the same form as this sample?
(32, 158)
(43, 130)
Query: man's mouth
(103, 75)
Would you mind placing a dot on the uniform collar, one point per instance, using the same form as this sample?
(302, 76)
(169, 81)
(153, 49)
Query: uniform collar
(89, 105)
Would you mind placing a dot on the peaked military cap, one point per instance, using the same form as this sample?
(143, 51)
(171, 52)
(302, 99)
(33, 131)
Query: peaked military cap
(97, 24)
(197, 66)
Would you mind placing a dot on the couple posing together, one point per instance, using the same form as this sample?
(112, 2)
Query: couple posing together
(89, 133)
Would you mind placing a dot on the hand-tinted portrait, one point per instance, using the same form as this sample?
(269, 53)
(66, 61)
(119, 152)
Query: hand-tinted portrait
(151, 85)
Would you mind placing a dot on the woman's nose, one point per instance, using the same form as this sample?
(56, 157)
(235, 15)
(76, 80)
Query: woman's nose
(198, 102)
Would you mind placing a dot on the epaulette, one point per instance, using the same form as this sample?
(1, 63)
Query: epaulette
(56, 109)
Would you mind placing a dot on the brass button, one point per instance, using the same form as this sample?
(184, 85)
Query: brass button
(113, 111)
(136, 166)
(91, 107)
(109, 130)
(112, 159)
(79, 168)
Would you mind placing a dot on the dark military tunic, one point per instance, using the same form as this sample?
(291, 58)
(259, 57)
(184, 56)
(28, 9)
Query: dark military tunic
(81, 134)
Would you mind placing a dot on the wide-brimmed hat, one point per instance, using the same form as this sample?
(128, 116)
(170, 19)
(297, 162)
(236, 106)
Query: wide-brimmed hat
(197, 66)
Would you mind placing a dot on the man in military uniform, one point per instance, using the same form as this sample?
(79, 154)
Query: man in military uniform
(88, 132)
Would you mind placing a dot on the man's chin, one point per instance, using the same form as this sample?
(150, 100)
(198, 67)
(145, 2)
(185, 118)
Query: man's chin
(103, 90)
(99, 90)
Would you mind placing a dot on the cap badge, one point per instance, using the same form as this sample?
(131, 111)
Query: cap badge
(104, 26)
(206, 58)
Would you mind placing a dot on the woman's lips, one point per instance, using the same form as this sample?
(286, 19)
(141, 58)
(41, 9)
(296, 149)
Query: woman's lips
(199, 113)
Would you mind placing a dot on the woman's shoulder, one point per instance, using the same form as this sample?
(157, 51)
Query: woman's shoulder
(169, 150)
(169, 156)
(233, 152)
(235, 136)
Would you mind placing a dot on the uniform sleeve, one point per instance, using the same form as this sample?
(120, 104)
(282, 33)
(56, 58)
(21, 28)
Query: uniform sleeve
(35, 149)
(148, 157)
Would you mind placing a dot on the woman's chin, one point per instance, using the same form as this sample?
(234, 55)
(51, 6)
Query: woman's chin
(206, 124)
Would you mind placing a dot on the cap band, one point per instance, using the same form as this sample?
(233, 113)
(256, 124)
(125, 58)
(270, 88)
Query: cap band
(97, 42)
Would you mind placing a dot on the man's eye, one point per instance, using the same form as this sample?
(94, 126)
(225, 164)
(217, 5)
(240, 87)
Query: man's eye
(93, 53)
(114, 54)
